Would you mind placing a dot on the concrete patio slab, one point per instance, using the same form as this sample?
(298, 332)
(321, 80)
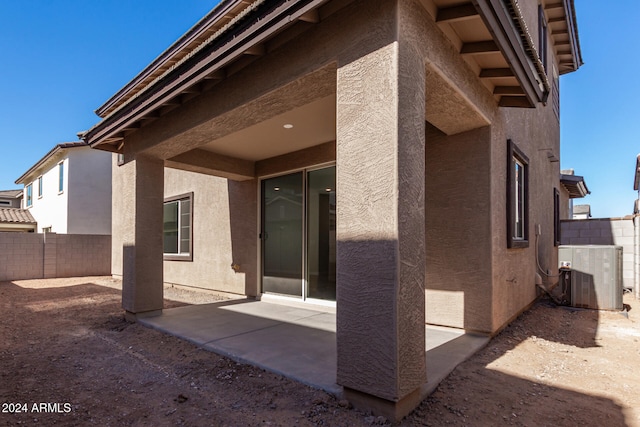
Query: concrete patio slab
(297, 342)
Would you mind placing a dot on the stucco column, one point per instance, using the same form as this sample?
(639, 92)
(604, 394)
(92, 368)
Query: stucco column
(380, 229)
(142, 259)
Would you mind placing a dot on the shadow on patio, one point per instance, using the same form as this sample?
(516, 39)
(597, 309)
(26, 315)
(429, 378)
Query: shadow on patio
(297, 342)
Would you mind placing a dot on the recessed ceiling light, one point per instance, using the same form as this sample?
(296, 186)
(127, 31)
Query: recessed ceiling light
(276, 188)
(288, 126)
(327, 189)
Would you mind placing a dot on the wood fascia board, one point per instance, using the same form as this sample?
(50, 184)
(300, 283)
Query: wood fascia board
(572, 29)
(210, 63)
(499, 24)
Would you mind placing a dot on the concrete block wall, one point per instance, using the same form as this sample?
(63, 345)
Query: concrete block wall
(604, 231)
(39, 256)
(21, 256)
(83, 255)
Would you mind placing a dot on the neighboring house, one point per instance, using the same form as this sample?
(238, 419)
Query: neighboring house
(16, 219)
(573, 187)
(68, 191)
(581, 212)
(398, 159)
(12, 218)
(10, 198)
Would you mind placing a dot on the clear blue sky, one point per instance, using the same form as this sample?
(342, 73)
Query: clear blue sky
(62, 59)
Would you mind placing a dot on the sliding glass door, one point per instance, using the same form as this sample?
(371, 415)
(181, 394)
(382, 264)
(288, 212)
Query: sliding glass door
(321, 234)
(282, 234)
(298, 234)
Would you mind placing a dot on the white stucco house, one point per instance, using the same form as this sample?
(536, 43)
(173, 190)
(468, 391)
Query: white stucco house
(68, 191)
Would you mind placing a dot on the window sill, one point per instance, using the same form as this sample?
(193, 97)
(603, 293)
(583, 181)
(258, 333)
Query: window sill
(518, 244)
(168, 257)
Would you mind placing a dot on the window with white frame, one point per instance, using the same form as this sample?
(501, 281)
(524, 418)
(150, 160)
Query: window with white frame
(39, 186)
(517, 197)
(60, 177)
(177, 227)
(29, 200)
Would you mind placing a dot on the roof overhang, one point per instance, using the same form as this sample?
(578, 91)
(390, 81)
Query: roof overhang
(575, 186)
(491, 34)
(233, 32)
(51, 154)
(16, 217)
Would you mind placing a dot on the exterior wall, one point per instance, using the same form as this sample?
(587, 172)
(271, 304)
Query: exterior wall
(224, 231)
(37, 256)
(10, 202)
(605, 231)
(458, 229)
(51, 209)
(213, 239)
(84, 205)
(121, 207)
(536, 132)
(89, 191)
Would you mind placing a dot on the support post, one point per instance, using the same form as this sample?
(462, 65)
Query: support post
(142, 279)
(380, 229)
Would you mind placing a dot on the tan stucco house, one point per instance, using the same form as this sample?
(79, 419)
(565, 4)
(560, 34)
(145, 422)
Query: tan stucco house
(398, 159)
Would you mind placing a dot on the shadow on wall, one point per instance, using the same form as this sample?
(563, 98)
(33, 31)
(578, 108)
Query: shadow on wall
(243, 219)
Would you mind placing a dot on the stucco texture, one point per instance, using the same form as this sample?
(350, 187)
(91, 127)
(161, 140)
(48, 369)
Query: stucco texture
(216, 244)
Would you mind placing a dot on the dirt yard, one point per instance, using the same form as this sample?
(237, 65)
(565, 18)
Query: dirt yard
(67, 357)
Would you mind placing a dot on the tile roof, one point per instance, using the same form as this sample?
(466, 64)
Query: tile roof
(10, 193)
(16, 216)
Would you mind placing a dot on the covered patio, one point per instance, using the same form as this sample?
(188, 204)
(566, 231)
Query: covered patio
(298, 342)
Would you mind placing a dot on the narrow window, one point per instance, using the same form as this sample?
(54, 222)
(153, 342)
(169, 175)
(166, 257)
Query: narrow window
(177, 234)
(39, 186)
(60, 177)
(517, 198)
(29, 195)
(556, 217)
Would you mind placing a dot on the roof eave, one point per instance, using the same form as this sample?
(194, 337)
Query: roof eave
(101, 134)
(200, 27)
(575, 186)
(58, 148)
